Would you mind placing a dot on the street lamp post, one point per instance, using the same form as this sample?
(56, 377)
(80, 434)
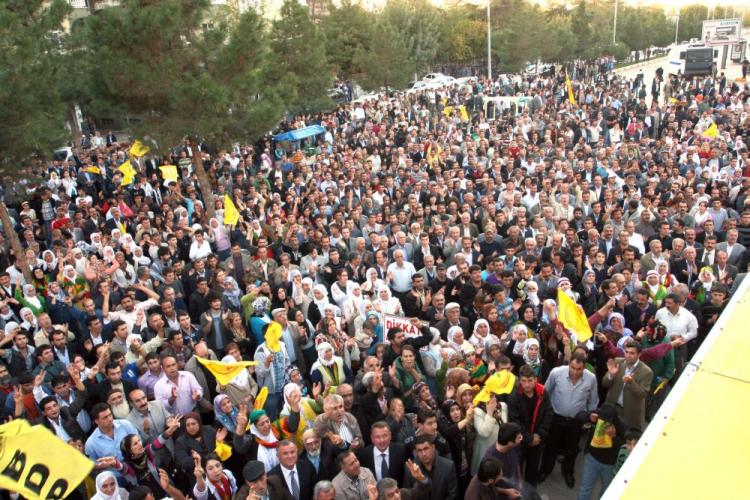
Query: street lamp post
(489, 44)
(614, 26)
(677, 26)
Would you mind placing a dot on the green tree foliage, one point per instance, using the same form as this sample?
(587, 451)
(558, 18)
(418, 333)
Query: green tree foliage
(463, 33)
(691, 22)
(389, 66)
(300, 58)
(179, 80)
(32, 69)
(417, 27)
(347, 30)
(580, 25)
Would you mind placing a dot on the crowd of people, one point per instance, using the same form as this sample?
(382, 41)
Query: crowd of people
(467, 229)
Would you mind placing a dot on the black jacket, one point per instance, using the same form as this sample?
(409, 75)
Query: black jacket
(396, 461)
(533, 414)
(306, 478)
(443, 477)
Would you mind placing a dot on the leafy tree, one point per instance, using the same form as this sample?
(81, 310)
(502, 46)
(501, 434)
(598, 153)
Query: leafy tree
(580, 25)
(417, 27)
(463, 32)
(389, 66)
(300, 58)
(691, 22)
(31, 99)
(179, 80)
(348, 29)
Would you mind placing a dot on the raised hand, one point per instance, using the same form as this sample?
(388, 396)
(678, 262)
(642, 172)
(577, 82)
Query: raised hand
(612, 367)
(39, 379)
(415, 470)
(173, 423)
(317, 388)
(221, 434)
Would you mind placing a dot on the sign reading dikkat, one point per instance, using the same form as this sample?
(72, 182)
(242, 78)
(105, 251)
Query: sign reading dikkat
(391, 321)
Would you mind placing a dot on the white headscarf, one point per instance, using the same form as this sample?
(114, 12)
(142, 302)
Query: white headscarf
(239, 380)
(322, 348)
(100, 478)
(321, 303)
(531, 293)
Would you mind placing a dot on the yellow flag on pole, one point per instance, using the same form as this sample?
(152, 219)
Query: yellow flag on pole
(272, 336)
(231, 214)
(37, 464)
(169, 173)
(571, 97)
(128, 173)
(571, 315)
(138, 148)
(224, 372)
(712, 131)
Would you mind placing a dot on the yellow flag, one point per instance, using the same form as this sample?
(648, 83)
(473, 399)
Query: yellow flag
(260, 399)
(712, 131)
(138, 148)
(273, 335)
(37, 464)
(169, 173)
(92, 170)
(128, 173)
(464, 114)
(501, 382)
(571, 97)
(231, 214)
(224, 372)
(571, 315)
(223, 450)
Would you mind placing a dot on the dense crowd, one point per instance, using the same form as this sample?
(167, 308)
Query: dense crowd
(467, 229)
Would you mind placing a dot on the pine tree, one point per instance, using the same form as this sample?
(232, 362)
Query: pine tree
(32, 107)
(159, 63)
(300, 58)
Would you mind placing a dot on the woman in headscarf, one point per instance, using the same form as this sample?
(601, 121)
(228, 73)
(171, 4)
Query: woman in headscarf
(408, 374)
(532, 293)
(219, 236)
(49, 262)
(656, 291)
(243, 388)
(515, 348)
(197, 438)
(29, 299)
(29, 323)
(565, 286)
(458, 342)
(372, 283)
(588, 291)
(533, 358)
(224, 410)
(666, 278)
(230, 295)
(457, 426)
(329, 369)
(74, 284)
(354, 306)
(299, 413)
(267, 438)
(96, 244)
(702, 287)
(41, 281)
(386, 303)
(260, 319)
(481, 338)
(370, 332)
(140, 258)
(528, 316)
(139, 465)
(124, 276)
(107, 488)
(490, 314)
(319, 302)
(213, 481)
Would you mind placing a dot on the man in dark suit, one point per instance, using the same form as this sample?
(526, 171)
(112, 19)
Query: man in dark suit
(61, 420)
(452, 318)
(260, 484)
(639, 311)
(320, 454)
(114, 379)
(724, 272)
(383, 457)
(297, 476)
(439, 470)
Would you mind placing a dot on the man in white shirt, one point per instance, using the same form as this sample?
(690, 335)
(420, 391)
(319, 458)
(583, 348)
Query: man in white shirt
(130, 308)
(679, 322)
(399, 274)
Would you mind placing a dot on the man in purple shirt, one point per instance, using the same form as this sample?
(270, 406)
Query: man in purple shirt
(178, 391)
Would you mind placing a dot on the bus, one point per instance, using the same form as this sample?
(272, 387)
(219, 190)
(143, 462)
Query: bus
(692, 59)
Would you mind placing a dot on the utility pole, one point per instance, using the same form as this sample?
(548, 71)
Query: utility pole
(677, 26)
(489, 44)
(614, 26)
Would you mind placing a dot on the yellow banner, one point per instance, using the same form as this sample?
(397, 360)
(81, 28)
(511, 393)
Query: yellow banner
(501, 382)
(128, 173)
(138, 148)
(169, 173)
(231, 214)
(224, 372)
(37, 464)
(712, 131)
(273, 335)
(571, 315)
(571, 97)
(92, 170)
